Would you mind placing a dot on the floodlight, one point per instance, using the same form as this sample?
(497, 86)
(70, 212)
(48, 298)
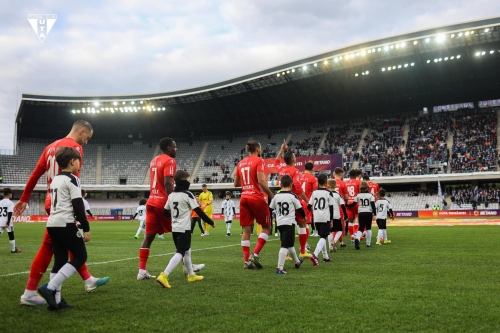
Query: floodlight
(98, 111)
(427, 40)
(428, 61)
(458, 56)
(293, 70)
(367, 72)
(440, 59)
(96, 103)
(472, 32)
(373, 50)
(399, 66)
(452, 57)
(73, 111)
(466, 33)
(369, 51)
(397, 46)
(460, 35)
(452, 36)
(491, 52)
(288, 72)
(412, 64)
(415, 42)
(340, 58)
(123, 103)
(363, 73)
(336, 59)
(132, 102)
(163, 109)
(325, 62)
(278, 75)
(379, 49)
(406, 65)
(363, 53)
(478, 54)
(486, 30)
(283, 73)
(115, 103)
(383, 69)
(392, 46)
(315, 65)
(393, 67)
(389, 68)
(83, 110)
(356, 74)
(403, 44)
(304, 67)
(347, 56)
(357, 54)
(446, 58)
(141, 102)
(77, 111)
(386, 48)
(483, 53)
(440, 38)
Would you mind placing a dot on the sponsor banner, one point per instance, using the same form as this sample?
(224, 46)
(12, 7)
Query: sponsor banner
(44, 218)
(412, 213)
(321, 163)
(457, 213)
(453, 107)
(221, 217)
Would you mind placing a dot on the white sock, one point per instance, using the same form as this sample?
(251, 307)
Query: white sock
(138, 232)
(89, 281)
(319, 246)
(282, 257)
(228, 227)
(380, 235)
(385, 234)
(176, 259)
(338, 234)
(29, 293)
(142, 271)
(330, 238)
(325, 251)
(293, 254)
(358, 235)
(12, 245)
(64, 273)
(188, 263)
(58, 290)
(368, 237)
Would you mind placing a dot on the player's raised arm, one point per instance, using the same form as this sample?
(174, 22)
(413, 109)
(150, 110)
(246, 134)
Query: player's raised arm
(40, 169)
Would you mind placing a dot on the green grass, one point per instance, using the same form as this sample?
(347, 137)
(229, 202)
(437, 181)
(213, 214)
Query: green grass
(432, 279)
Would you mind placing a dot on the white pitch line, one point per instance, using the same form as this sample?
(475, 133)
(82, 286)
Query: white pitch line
(135, 258)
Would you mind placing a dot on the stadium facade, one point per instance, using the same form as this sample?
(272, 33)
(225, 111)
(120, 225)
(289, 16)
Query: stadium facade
(432, 70)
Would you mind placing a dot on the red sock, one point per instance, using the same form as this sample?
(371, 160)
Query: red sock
(83, 271)
(302, 241)
(245, 247)
(350, 228)
(340, 239)
(356, 228)
(261, 241)
(143, 258)
(39, 266)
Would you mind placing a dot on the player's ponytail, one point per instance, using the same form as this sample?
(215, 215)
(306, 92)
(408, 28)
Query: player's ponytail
(252, 146)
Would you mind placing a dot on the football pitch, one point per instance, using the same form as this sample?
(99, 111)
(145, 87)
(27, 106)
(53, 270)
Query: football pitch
(429, 279)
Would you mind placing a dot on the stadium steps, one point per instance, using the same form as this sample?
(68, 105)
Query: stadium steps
(200, 160)
(498, 129)
(406, 134)
(98, 167)
(157, 151)
(322, 143)
(449, 144)
(359, 149)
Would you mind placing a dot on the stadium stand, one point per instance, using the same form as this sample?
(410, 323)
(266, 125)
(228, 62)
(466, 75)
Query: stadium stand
(187, 155)
(125, 161)
(220, 160)
(382, 147)
(18, 167)
(427, 144)
(305, 143)
(474, 142)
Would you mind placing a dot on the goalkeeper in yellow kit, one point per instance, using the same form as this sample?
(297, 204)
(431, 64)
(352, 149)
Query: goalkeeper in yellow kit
(207, 199)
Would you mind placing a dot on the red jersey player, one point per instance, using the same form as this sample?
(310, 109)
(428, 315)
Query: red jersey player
(161, 174)
(290, 170)
(309, 183)
(341, 189)
(253, 206)
(374, 187)
(352, 186)
(80, 134)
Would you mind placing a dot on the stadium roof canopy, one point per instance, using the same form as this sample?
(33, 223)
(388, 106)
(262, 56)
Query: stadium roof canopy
(446, 65)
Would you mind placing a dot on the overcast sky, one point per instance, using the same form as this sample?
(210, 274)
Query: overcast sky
(131, 46)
